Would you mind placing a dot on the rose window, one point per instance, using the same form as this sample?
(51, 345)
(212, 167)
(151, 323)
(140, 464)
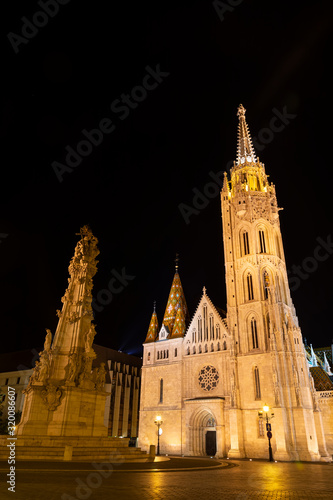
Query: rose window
(208, 378)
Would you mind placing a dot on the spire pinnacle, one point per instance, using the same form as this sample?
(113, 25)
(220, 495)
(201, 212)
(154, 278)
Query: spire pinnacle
(153, 327)
(245, 150)
(176, 262)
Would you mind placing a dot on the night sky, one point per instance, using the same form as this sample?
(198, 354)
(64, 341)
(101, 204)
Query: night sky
(70, 74)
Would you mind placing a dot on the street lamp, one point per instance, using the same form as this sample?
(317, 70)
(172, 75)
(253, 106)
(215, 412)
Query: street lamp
(158, 422)
(269, 433)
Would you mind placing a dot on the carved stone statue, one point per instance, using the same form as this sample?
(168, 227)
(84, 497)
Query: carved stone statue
(89, 338)
(72, 367)
(48, 340)
(100, 379)
(44, 367)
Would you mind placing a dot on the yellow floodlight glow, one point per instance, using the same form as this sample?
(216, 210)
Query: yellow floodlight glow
(266, 408)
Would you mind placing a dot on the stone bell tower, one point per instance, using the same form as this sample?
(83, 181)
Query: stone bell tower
(65, 397)
(271, 361)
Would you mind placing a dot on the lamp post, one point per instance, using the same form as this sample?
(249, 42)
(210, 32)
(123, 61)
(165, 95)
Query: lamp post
(269, 433)
(158, 422)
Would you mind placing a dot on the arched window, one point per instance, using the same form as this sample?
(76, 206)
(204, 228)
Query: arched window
(249, 284)
(257, 392)
(262, 241)
(158, 354)
(218, 346)
(148, 357)
(224, 346)
(254, 333)
(266, 284)
(217, 331)
(175, 352)
(194, 351)
(244, 243)
(212, 347)
(161, 390)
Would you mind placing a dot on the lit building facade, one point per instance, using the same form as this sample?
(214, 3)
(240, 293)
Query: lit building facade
(210, 377)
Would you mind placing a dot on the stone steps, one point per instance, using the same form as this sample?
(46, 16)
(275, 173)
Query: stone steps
(74, 449)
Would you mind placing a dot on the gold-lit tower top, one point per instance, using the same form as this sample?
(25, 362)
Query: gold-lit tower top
(245, 150)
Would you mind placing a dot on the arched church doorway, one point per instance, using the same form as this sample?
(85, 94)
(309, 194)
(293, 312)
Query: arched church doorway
(203, 433)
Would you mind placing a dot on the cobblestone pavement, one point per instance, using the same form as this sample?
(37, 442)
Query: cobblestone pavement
(239, 480)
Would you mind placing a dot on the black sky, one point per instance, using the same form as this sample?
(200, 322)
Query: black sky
(267, 55)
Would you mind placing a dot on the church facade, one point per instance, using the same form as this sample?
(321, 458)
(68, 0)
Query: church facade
(209, 377)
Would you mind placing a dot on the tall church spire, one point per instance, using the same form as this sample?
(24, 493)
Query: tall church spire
(153, 327)
(245, 150)
(176, 299)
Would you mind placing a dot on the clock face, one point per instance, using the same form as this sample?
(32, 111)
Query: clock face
(208, 378)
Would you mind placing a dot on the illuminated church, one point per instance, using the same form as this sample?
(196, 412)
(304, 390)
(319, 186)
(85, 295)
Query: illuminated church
(209, 377)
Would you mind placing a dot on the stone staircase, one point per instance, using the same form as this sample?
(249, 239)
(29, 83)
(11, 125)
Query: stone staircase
(76, 449)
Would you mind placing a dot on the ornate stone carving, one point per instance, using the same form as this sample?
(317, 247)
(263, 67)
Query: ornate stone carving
(73, 317)
(208, 378)
(51, 397)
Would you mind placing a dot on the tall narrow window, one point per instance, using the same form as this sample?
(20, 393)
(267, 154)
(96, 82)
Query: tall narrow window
(254, 334)
(161, 390)
(175, 352)
(266, 284)
(205, 324)
(211, 327)
(249, 287)
(246, 243)
(148, 356)
(199, 329)
(262, 243)
(257, 392)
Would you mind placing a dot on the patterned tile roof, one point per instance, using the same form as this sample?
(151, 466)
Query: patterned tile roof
(322, 381)
(176, 299)
(179, 327)
(153, 328)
